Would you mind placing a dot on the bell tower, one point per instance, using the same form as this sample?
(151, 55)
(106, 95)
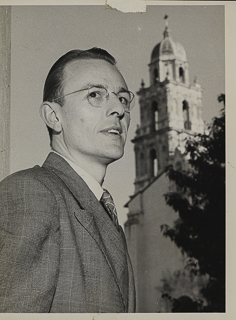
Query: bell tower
(170, 110)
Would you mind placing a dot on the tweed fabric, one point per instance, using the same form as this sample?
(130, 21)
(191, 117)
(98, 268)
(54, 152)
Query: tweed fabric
(59, 250)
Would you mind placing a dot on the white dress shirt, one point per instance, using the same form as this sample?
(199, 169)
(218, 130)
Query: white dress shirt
(93, 185)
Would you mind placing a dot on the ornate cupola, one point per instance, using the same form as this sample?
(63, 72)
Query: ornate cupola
(168, 60)
(170, 109)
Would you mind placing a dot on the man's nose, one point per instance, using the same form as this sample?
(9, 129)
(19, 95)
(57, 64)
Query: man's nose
(114, 105)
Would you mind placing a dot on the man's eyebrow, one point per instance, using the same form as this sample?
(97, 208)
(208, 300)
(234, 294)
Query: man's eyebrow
(122, 89)
(90, 85)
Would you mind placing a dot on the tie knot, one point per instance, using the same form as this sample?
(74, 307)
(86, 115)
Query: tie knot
(106, 196)
(107, 200)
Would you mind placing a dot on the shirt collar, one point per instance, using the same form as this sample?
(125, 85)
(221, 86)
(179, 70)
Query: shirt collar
(93, 185)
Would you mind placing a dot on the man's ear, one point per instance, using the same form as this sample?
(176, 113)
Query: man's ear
(49, 116)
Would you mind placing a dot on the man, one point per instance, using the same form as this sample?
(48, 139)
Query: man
(62, 249)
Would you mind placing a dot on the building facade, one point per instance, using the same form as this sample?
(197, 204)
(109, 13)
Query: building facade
(170, 111)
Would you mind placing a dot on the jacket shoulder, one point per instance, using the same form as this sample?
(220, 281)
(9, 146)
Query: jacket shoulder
(28, 192)
(28, 178)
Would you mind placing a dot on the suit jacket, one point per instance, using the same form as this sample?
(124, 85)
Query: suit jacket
(60, 251)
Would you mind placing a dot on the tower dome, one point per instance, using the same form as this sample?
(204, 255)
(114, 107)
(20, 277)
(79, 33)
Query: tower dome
(168, 49)
(168, 60)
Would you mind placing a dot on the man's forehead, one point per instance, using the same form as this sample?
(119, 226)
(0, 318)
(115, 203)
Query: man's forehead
(92, 70)
(80, 65)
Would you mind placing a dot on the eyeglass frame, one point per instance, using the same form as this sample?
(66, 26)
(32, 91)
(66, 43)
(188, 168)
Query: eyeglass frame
(101, 87)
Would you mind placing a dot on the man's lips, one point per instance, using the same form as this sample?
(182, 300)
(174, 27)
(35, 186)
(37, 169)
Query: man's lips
(113, 130)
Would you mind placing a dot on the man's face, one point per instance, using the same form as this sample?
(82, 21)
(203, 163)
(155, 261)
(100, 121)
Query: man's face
(88, 131)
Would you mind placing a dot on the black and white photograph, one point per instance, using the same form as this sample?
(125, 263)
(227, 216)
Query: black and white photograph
(113, 158)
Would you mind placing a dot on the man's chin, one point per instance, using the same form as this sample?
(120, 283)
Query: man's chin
(113, 156)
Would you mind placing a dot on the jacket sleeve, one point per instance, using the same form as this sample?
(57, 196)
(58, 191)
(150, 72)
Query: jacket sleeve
(29, 245)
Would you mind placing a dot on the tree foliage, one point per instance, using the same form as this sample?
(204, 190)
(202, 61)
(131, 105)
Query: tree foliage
(200, 202)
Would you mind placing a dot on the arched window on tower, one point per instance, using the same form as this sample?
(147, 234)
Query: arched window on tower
(154, 117)
(155, 75)
(154, 165)
(142, 164)
(181, 75)
(137, 162)
(187, 122)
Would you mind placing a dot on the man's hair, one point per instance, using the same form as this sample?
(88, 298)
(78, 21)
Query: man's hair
(53, 87)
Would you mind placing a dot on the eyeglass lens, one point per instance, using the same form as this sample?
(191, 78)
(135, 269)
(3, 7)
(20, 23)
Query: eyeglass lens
(98, 96)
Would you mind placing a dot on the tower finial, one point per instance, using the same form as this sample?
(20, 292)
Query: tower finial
(142, 84)
(166, 20)
(167, 31)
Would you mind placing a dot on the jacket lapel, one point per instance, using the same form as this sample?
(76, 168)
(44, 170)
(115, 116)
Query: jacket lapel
(95, 220)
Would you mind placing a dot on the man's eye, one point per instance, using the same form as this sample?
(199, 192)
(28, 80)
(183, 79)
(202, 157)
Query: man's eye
(123, 100)
(95, 95)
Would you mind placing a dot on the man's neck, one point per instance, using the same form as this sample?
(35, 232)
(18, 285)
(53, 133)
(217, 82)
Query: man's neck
(95, 169)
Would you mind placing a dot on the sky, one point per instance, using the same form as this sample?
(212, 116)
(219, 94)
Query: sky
(41, 34)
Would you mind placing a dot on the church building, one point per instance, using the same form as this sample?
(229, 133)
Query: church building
(170, 111)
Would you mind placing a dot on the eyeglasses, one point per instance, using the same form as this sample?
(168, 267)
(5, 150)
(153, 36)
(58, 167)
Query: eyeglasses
(98, 97)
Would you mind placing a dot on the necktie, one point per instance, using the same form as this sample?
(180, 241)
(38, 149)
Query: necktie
(109, 205)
